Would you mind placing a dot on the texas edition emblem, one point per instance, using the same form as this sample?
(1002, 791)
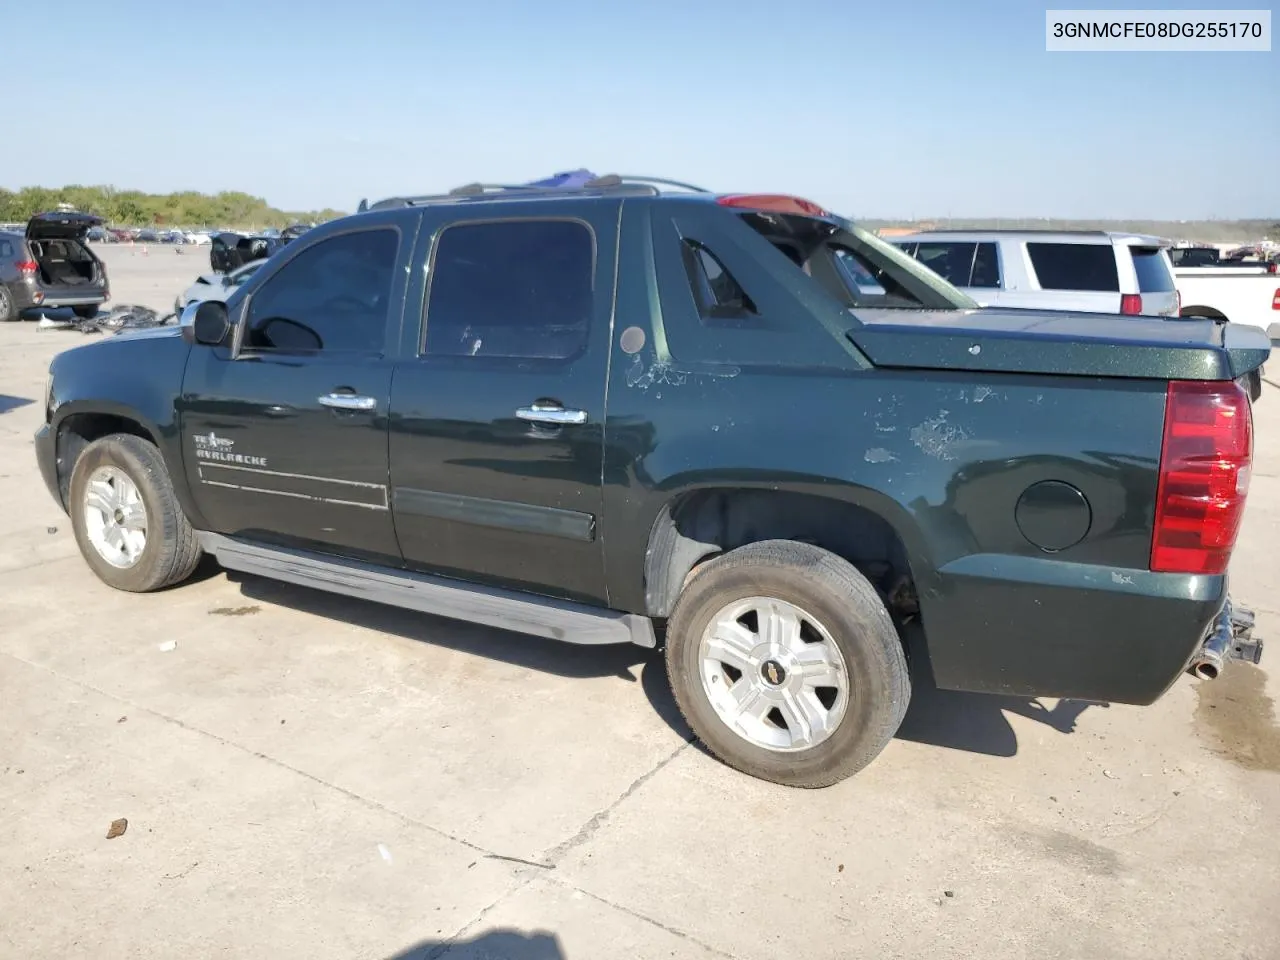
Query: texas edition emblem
(210, 446)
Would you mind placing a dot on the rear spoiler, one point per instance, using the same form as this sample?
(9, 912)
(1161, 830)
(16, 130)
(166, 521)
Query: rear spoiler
(1248, 347)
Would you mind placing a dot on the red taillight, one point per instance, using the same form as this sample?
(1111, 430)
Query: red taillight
(773, 203)
(27, 268)
(1273, 268)
(1275, 300)
(1131, 304)
(1204, 476)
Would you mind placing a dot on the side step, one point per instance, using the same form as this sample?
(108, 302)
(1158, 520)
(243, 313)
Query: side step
(441, 596)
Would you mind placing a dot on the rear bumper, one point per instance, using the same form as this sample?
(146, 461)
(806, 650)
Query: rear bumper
(1040, 627)
(30, 297)
(47, 461)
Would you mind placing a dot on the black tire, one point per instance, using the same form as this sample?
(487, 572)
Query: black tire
(8, 311)
(86, 312)
(847, 605)
(172, 550)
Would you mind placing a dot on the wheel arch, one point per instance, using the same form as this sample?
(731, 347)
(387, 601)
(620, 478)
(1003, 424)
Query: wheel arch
(868, 529)
(1209, 313)
(78, 425)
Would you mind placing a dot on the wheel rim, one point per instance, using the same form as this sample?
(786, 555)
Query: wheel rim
(5, 303)
(774, 674)
(115, 518)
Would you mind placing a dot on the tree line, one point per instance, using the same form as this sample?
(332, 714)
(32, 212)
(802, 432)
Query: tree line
(134, 208)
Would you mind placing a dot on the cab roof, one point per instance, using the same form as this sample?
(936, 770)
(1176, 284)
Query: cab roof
(583, 184)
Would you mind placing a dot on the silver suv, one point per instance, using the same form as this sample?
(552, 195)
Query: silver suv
(1092, 271)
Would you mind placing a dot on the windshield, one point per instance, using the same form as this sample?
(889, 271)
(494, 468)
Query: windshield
(856, 266)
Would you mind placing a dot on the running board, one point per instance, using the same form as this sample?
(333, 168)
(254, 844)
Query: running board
(441, 596)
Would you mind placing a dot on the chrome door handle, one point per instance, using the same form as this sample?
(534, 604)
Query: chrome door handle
(348, 401)
(546, 413)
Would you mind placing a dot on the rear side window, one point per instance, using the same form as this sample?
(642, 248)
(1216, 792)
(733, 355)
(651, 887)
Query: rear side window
(1075, 266)
(331, 297)
(1154, 275)
(952, 261)
(6, 249)
(719, 296)
(519, 289)
(964, 263)
(986, 267)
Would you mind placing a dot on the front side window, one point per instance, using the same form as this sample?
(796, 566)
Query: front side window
(1075, 266)
(516, 289)
(333, 297)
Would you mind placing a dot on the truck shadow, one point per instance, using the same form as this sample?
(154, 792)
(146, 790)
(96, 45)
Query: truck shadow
(503, 944)
(973, 722)
(8, 402)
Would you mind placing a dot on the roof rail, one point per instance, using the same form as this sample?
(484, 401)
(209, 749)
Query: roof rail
(611, 183)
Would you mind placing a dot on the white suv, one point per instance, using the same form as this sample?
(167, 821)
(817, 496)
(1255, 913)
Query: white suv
(1095, 272)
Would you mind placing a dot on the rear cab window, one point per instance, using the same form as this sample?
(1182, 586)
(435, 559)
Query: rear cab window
(1075, 266)
(855, 266)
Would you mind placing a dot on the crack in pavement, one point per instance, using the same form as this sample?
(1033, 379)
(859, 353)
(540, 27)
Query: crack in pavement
(359, 798)
(530, 869)
(585, 832)
(674, 931)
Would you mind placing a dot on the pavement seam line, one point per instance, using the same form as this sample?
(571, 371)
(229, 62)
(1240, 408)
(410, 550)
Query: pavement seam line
(351, 794)
(674, 931)
(446, 945)
(588, 829)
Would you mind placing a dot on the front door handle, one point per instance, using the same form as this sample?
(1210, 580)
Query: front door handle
(551, 413)
(348, 401)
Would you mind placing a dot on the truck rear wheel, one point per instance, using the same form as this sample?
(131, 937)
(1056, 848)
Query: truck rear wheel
(786, 664)
(128, 524)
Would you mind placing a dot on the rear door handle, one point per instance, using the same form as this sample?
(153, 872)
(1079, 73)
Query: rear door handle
(348, 401)
(551, 413)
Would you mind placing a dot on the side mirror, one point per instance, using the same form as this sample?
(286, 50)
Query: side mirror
(205, 322)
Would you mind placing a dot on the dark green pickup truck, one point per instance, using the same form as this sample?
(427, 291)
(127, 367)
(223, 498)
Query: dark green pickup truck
(734, 424)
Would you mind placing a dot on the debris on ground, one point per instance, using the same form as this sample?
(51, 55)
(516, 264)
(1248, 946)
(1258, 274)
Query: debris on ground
(125, 316)
(167, 646)
(117, 828)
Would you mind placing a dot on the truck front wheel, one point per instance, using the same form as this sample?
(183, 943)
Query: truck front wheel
(786, 664)
(127, 521)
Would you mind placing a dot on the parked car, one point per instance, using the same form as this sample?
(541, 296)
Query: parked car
(50, 265)
(216, 286)
(99, 235)
(231, 250)
(1209, 257)
(1092, 271)
(610, 410)
(147, 236)
(198, 237)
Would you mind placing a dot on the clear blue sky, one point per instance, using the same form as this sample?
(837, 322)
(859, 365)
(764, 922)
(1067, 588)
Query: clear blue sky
(896, 108)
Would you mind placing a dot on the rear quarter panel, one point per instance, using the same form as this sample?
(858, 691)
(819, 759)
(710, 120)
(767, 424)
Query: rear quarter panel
(944, 458)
